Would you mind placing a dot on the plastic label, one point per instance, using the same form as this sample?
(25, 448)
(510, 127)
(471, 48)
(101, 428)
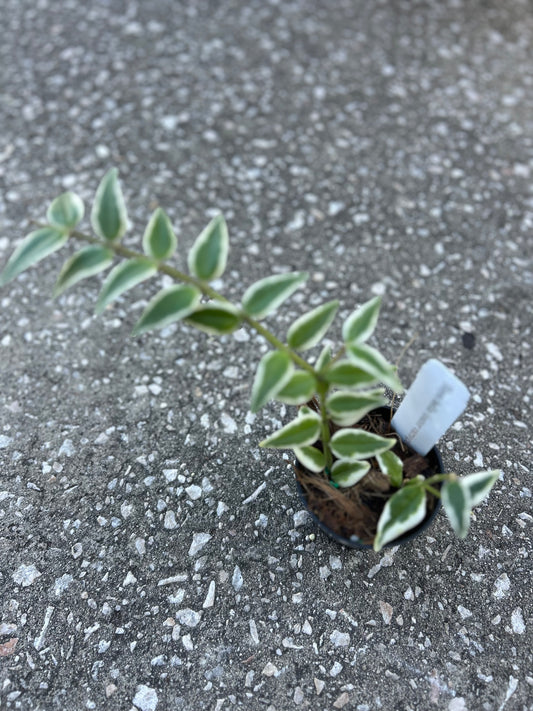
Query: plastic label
(432, 404)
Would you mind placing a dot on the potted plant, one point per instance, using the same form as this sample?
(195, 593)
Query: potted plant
(353, 470)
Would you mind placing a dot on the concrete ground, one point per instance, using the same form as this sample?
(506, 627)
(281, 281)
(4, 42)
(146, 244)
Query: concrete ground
(151, 555)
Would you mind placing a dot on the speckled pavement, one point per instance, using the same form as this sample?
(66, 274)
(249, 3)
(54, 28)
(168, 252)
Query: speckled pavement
(151, 555)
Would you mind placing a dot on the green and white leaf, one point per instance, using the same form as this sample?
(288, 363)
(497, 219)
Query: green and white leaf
(34, 247)
(300, 432)
(361, 324)
(159, 240)
(345, 473)
(168, 306)
(371, 361)
(85, 263)
(402, 512)
(215, 318)
(456, 500)
(304, 410)
(346, 407)
(274, 371)
(356, 444)
(323, 359)
(109, 216)
(347, 375)
(66, 211)
(208, 256)
(124, 276)
(311, 458)
(479, 485)
(300, 388)
(391, 465)
(263, 297)
(310, 328)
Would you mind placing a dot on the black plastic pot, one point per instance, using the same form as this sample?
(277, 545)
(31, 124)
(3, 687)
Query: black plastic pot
(435, 461)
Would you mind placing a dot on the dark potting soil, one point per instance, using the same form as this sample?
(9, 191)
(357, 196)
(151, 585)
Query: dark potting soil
(355, 511)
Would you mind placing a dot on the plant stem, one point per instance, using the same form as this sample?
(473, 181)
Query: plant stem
(207, 291)
(322, 391)
(435, 479)
(431, 489)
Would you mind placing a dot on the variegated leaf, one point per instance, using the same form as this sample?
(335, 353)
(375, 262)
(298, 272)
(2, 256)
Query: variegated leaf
(215, 318)
(302, 431)
(264, 297)
(159, 240)
(402, 512)
(371, 361)
(479, 485)
(208, 256)
(391, 465)
(311, 458)
(168, 306)
(124, 276)
(357, 444)
(85, 263)
(310, 328)
(34, 247)
(456, 500)
(345, 473)
(361, 324)
(300, 388)
(108, 215)
(273, 373)
(66, 211)
(346, 407)
(347, 375)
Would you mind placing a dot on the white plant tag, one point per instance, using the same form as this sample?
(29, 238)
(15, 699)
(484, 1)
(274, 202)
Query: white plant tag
(432, 404)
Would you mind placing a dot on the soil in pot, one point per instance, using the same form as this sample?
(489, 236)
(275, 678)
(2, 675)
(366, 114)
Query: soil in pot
(353, 513)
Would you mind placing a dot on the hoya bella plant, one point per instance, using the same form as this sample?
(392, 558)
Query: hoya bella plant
(332, 435)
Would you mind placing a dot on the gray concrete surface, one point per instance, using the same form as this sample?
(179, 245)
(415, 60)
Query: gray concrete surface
(151, 556)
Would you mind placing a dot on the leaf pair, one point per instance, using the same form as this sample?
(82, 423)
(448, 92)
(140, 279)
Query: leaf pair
(109, 221)
(183, 302)
(301, 432)
(460, 495)
(407, 508)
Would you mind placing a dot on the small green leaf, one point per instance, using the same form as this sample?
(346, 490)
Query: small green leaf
(123, 277)
(347, 407)
(479, 485)
(215, 318)
(391, 465)
(371, 361)
(108, 215)
(169, 305)
(356, 444)
(263, 297)
(402, 512)
(457, 504)
(302, 431)
(66, 211)
(346, 375)
(208, 256)
(273, 373)
(345, 473)
(300, 388)
(311, 458)
(361, 324)
(159, 240)
(85, 263)
(308, 330)
(34, 247)
(323, 359)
